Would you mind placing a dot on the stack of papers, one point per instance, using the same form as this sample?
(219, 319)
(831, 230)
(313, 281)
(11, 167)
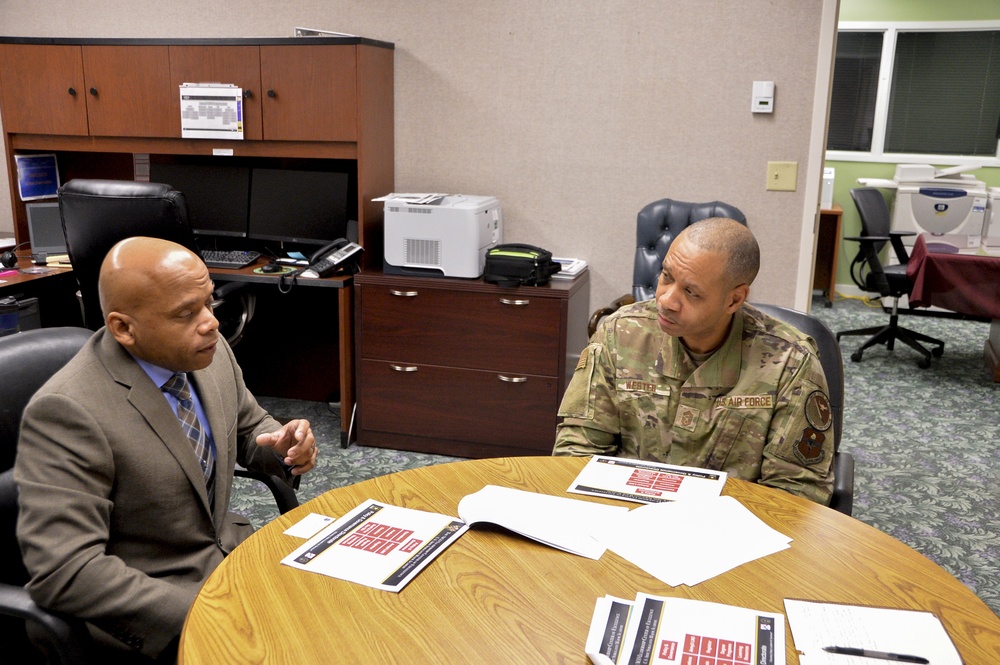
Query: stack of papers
(568, 268)
(654, 629)
(566, 524)
(416, 199)
(653, 538)
(912, 636)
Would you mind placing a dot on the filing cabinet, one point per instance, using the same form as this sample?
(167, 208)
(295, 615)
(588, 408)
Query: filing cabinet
(462, 367)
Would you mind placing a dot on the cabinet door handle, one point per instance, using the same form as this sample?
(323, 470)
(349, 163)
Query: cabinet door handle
(403, 294)
(512, 379)
(272, 94)
(72, 91)
(247, 94)
(514, 301)
(404, 368)
(93, 91)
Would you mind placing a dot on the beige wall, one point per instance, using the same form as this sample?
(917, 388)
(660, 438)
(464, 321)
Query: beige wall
(573, 113)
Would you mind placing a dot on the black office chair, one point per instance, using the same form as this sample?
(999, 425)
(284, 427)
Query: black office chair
(888, 281)
(96, 214)
(833, 366)
(657, 224)
(29, 359)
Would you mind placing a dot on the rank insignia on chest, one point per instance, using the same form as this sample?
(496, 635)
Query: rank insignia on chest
(687, 418)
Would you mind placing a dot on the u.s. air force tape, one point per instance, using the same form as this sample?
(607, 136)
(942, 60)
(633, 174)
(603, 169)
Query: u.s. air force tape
(746, 401)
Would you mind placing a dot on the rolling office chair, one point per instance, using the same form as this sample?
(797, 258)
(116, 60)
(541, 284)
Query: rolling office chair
(32, 356)
(96, 214)
(833, 366)
(657, 224)
(888, 281)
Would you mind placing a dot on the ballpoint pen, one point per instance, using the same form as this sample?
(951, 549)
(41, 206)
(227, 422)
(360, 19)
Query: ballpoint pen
(882, 655)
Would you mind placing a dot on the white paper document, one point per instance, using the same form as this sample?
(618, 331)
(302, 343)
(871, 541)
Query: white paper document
(668, 541)
(560, 522)
(308, 526)
(377, 545)
(654, 630)
(912, 633)
(645, 482)
(211, 111)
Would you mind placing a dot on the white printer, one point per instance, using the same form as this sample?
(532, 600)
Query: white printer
(440, 234)
(948, 203)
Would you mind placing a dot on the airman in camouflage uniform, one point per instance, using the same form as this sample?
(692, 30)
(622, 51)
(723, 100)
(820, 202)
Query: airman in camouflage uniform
(754, 405)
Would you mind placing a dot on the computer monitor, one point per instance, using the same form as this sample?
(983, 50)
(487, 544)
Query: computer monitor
(45, 228)
(217, 196)
(301, 207)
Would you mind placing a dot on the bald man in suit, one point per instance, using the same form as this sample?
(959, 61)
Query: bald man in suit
(119, 523)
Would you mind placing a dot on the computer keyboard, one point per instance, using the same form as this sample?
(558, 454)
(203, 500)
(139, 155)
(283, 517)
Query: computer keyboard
(217, 258)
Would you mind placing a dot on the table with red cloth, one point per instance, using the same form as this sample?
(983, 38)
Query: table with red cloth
(959, 282)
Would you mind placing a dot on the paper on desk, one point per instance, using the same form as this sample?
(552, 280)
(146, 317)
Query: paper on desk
(606, 639)
(560, 522)
(678, 542)
(377, 545)
(816, 625)
(667, 631)
(645, 482)
(308, 526)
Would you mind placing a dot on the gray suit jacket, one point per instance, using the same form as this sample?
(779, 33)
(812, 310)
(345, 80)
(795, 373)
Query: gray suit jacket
(114, 521)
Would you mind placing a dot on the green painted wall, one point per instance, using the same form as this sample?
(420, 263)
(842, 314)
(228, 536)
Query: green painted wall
(847, 173)
(919, 10)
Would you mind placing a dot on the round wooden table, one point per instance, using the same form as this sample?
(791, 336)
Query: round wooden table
(496, 597)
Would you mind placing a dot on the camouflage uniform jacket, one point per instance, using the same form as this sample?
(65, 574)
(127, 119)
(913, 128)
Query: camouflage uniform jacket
(758, 408)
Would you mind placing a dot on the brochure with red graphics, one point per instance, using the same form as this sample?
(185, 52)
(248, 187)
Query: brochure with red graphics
(656, 630)
(646, 482)
(377, 545)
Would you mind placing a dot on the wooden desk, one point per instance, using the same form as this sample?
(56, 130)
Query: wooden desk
(286, 350)
(827, 252)
(964, 283)
(499, 598)
(55, 290)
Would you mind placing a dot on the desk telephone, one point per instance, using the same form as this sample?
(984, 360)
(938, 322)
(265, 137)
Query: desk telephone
(326, 260)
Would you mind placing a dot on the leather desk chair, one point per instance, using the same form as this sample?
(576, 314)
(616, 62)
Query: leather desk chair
(31, 357)
(833, 366)
(657, 224)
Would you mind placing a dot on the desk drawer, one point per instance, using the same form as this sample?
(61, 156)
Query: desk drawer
(517, 333)
(458, 404)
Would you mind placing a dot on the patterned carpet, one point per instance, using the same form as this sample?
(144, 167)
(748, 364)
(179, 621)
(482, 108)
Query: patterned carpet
(928, 468)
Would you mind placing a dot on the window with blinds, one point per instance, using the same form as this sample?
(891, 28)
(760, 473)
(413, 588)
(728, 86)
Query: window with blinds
(940, 94)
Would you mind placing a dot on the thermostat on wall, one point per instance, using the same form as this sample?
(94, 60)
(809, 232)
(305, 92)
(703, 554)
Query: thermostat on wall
(763, 97)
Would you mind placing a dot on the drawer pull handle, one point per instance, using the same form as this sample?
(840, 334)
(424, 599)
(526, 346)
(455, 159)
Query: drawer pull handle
(404, 294)
(404, 368)
(513, 379)
(509, 301)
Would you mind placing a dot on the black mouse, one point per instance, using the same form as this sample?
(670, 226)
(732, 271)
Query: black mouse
(270, 267)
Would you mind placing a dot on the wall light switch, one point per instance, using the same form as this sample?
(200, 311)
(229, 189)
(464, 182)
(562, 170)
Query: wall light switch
(782, 176)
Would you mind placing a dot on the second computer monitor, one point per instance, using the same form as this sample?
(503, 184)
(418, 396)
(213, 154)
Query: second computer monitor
(216, 196)
(299, 207)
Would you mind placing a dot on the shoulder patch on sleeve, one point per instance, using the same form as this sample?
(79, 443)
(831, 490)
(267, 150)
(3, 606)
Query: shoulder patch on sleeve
(819, 414)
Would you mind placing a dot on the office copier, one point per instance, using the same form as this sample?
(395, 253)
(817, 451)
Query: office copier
(947, 203)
